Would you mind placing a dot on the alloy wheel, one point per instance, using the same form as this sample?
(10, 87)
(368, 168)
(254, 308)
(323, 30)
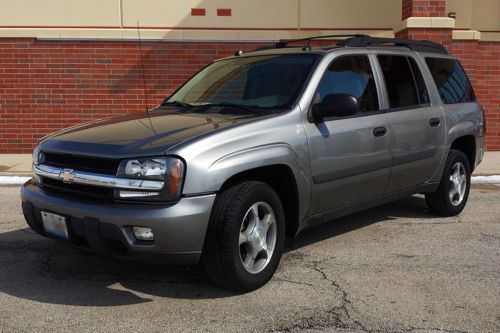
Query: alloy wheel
(458, 184)
(257, 238)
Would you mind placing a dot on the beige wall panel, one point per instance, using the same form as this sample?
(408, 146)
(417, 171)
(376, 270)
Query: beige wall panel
(210, 35)
(490, 36)
(30, 33)
(267, 35)
(59, 13)
(463, 10)
(152, 34)
(245, 13)
(486, 15)
(374, 33)
(350, 13)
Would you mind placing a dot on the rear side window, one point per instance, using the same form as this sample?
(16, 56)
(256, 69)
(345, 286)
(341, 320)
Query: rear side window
(403, 80)
(351, 75)
(451, 81)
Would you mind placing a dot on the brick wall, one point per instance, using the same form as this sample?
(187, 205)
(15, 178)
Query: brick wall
(482, 62)
(49, 85)
(423, 8)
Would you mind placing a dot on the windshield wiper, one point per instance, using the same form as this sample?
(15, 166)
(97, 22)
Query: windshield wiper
(179, 104)
(232, 105)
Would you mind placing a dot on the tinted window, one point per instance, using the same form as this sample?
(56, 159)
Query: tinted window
(451, 80)
(350, 75)
(399, 81)
(261, 81)
(423, 94)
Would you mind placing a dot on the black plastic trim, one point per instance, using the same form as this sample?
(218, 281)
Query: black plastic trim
(415, 45)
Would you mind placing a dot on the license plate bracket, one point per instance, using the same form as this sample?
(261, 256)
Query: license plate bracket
(55, 225)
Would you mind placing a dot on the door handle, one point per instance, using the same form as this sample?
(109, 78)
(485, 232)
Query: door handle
(379, 131)
(434, 122)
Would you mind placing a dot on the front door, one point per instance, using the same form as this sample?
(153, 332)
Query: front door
(350, 155)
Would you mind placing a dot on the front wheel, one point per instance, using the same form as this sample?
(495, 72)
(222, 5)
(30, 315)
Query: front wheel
(453, 191)
(245, 238)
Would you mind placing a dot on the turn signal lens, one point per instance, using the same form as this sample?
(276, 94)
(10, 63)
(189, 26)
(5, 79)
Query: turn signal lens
(176, 172)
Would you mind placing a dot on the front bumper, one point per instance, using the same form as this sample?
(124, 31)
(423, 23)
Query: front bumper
(105, 227)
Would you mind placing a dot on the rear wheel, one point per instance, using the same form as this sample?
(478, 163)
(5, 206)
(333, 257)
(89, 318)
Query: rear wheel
(246, 236)
(451, 196)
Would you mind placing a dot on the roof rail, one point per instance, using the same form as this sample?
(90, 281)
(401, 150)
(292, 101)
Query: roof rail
(283, 43)
(415, 45)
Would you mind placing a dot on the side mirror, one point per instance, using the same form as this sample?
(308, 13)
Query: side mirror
(335, 105)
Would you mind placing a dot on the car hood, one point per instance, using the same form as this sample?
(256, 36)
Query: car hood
(138, 134)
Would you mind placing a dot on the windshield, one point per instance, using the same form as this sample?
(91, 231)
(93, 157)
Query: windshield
(270, 81)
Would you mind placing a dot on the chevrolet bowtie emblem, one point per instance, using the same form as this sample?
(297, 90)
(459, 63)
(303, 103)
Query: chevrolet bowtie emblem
(67, 175)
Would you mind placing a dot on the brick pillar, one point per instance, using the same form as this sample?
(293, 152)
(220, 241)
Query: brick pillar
(425, 19)
(423, 8)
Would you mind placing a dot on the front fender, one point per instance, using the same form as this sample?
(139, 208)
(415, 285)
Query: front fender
(234, 163)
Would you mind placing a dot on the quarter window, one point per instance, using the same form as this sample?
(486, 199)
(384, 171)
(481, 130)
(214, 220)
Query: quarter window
(451, 81)
(350, 75)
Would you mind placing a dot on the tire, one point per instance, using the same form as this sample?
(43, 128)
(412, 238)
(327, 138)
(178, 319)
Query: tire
(230, 224)
(442, 202)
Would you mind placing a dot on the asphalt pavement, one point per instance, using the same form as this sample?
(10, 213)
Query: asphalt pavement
(395, 268)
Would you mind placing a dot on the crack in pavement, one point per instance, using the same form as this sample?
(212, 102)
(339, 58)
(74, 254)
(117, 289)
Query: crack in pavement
(490, 236)
(336, 317)
(279, 279)
(427, 330)
(341, 317)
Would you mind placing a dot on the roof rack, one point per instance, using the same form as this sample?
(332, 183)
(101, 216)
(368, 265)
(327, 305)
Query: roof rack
(360, 40)
(415, 45)
(283, 43)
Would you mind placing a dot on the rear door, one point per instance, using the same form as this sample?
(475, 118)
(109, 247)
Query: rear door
(417, 123)
(350, 156)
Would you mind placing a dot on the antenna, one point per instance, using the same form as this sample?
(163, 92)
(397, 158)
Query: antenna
(142, 69)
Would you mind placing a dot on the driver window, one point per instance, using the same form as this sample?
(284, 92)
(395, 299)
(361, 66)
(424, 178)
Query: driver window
(350, 75)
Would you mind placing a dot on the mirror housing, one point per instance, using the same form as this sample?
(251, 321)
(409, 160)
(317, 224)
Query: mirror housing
(335, 105)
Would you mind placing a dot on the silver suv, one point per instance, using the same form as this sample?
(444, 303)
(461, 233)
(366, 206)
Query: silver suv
(258, 146)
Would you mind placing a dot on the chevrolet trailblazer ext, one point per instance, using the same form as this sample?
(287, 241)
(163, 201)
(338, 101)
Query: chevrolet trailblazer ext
(258, 146)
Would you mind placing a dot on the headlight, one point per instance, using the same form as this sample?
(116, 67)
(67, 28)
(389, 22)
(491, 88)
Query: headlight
(37, 158)
(170, 170)
(37, 155)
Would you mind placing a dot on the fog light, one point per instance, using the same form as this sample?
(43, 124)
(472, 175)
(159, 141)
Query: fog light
(143, 233)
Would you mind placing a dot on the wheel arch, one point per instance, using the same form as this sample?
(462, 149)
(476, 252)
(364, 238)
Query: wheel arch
(281, 178)
(467, 145)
